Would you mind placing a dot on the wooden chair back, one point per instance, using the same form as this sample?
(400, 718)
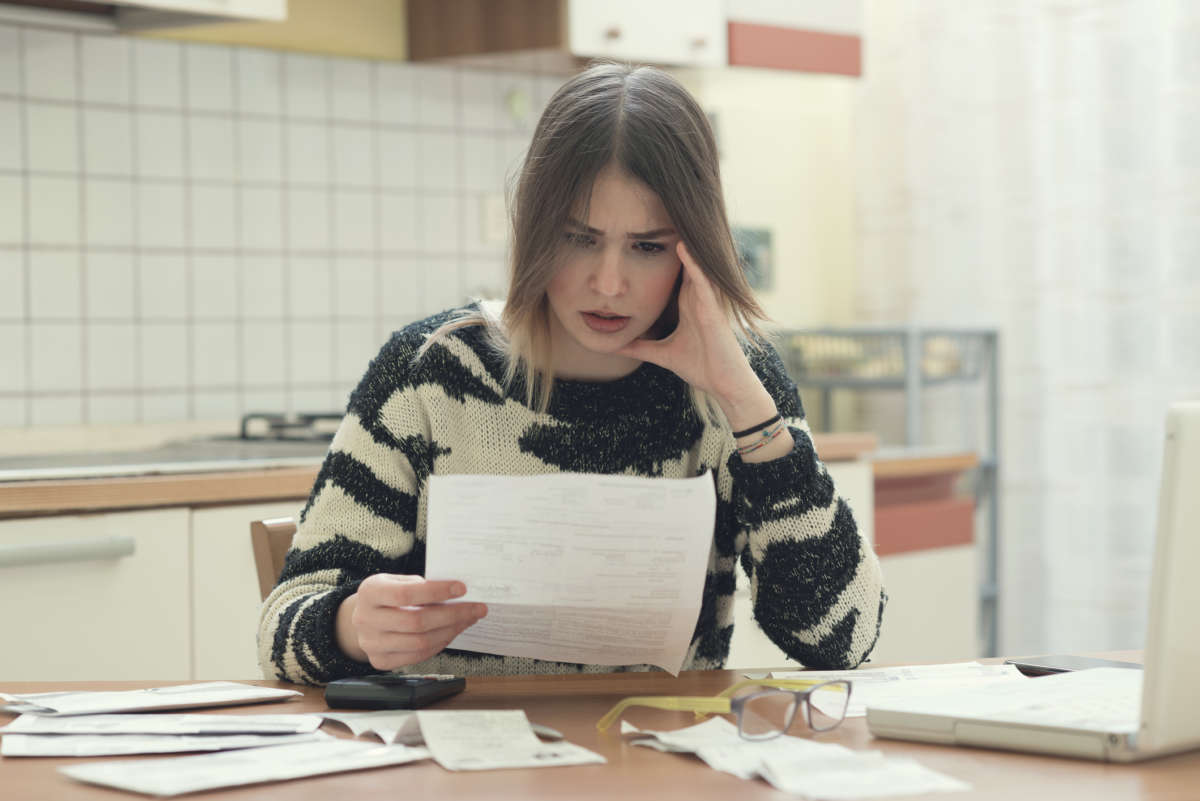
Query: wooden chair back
(271, 539)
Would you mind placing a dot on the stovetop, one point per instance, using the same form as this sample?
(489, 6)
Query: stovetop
(263, 441)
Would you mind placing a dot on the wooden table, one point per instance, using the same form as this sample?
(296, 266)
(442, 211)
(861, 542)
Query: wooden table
(573, 704)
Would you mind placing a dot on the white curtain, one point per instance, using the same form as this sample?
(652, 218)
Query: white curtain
(1034, 165)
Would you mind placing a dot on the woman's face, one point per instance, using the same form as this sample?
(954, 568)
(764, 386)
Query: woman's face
(615, 279)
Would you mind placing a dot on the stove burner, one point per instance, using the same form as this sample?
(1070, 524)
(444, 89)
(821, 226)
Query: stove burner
(293, 426)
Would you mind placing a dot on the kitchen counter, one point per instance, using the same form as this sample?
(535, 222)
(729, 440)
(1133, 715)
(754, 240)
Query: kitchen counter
(208, 471)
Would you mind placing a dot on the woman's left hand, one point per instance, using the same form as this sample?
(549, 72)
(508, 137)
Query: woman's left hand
(703, 350)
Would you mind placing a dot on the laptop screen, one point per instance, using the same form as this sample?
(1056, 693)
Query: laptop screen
(1170, 704)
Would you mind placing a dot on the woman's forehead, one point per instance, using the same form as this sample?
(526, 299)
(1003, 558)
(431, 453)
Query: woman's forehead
(620, 204)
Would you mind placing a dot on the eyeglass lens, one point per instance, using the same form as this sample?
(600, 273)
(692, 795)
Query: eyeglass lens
(827, 704)
(767, 713)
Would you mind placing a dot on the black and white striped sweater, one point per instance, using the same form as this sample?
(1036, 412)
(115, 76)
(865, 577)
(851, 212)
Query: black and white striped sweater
(816, 585)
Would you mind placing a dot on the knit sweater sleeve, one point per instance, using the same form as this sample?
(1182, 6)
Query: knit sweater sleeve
(360, 519)
(815, 584)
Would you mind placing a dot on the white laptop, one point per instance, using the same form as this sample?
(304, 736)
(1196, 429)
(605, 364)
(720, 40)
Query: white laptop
(1111, 714)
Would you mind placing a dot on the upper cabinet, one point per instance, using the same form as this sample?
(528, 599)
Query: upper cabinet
(802, 35)
(558, 33)
(823, 36)
(672, 32)
(137, 15)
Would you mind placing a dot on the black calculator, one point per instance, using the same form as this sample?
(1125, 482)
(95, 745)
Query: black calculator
(391, 691)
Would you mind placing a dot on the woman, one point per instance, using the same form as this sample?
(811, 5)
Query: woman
(627, 344)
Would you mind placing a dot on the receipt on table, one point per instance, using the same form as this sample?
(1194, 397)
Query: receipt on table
(857, 774)
(797, 765)
(81, 745)
(718, 744)
(190, 774)
(160, 723)
(183, 696)
(490, 739)
(597, 569)
(389, 725)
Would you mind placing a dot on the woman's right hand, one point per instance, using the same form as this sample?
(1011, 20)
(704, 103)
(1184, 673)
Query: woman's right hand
(393, 620)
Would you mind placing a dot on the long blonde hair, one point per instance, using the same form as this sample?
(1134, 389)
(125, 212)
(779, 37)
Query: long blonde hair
(644, 121)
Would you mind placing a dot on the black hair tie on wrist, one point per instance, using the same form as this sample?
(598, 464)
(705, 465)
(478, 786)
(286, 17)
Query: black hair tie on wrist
(748, 431)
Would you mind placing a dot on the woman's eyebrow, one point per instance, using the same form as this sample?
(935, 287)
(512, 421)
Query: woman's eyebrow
(656, 233)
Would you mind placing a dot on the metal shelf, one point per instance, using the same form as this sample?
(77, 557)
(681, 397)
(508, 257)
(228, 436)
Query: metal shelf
(912, 359)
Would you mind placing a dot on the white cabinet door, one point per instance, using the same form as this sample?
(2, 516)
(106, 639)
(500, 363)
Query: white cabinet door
(225, 593)
(749, 647)
(933, 608)
(95, 616)
(682, 32)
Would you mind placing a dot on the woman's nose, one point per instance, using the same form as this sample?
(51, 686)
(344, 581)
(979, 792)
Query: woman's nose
(608, 278)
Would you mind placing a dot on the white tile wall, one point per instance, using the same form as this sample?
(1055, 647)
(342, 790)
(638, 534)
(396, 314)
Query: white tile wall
(106, 69)
(107, 141)
(209, 71)
(197, 230)
(158, 73)
(12, 278)
(13, 376)
(107, 203)
(49, 64)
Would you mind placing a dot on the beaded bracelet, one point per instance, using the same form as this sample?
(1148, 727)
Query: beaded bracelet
(767, 435)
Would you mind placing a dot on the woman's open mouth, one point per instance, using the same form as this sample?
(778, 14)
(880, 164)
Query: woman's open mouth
(603, 322)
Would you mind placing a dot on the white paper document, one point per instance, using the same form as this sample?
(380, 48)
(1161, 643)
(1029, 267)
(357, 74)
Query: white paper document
(184, 696)
(159, 723)
(401, 726)
(190, 774)
(605, 570)
(857, 774)
(491, 739)
(873, 686)
(81, 745)
(796, 765)
(389, 725)
(717, 742)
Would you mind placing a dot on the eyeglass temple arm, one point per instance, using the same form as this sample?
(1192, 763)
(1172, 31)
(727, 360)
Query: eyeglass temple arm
(786, 684)
(683, 703)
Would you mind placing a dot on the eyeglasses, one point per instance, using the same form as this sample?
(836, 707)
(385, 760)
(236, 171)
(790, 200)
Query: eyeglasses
(765, 708)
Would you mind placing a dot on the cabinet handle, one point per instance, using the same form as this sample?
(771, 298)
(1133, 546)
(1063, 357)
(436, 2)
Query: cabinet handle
(699, 41)
(66, 551)
(612, 33)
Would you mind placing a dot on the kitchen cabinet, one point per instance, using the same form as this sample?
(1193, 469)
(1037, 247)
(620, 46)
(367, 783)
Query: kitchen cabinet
(561, 33)
(225, 593)
(98, 597)
(143, 15)
(804, 37)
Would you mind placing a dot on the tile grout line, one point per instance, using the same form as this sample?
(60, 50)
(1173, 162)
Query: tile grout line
(239, 235)
(81, 227)
(27, 223)
(189, 236)
(376, 212)
(285, 225)
(332, 219)
(139, 367)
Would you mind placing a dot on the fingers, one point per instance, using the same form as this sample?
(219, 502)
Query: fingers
(391, 651)
(387, 589)
(695, 281)
(402, 620)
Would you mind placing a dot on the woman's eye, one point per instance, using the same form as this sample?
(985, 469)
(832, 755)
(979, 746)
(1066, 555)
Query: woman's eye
(649, 248)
